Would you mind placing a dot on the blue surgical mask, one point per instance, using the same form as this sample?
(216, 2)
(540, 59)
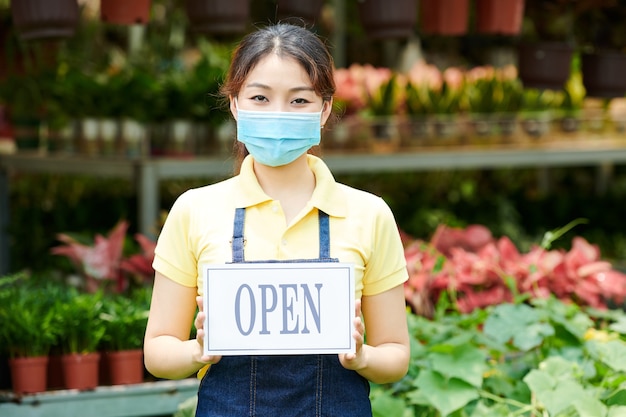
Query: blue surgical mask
(278, 138)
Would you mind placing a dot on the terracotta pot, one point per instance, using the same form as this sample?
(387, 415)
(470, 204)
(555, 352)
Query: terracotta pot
(298, 11)
(125, 366)
(499, 16)
(125, 12)
(545, 65)
(29, 375)
(41, 19)
(221, 17)
(81, 371)
(381, 21)
(444, 17)
(603, 74)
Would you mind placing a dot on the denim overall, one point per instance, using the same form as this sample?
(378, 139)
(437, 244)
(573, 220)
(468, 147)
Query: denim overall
(282, 385)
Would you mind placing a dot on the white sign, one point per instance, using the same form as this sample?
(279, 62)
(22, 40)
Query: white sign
(279, 308)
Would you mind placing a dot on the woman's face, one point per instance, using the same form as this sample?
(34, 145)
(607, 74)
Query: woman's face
(279, 84)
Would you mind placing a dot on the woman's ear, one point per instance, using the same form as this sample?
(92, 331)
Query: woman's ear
(233, 106)
(327, 109)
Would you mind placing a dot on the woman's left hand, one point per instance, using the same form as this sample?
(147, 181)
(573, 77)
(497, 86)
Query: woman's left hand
(355, 361)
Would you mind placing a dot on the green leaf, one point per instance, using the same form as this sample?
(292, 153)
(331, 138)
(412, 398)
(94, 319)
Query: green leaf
(519, 323)
(555, 393)
(446, 395)
(385, 405)
(612, 353)
(619, 326)
(587, 406)
(617, 411)
(463, 362)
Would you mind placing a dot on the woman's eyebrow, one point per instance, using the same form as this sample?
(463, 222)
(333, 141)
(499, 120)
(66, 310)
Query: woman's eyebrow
(267, 87)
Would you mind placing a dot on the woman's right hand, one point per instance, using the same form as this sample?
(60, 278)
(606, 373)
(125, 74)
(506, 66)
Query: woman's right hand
(199, 323)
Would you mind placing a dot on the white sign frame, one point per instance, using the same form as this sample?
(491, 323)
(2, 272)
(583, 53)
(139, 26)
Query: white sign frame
(279, 308)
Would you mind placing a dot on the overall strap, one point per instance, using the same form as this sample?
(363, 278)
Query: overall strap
(238, 239)
(324, 235)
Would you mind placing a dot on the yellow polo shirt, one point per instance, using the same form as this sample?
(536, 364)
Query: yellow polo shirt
(363, 231)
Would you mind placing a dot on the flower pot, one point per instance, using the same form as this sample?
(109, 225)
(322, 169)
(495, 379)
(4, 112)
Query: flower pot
(297, 11)
(381, 21)
(603, 74)
(218, 17)
(385, 134)
(125, 366)
(124, 12)
(545, 65)
(29, 374)
(81, 371)
(43, 19)
(444, 17)
(499, 17)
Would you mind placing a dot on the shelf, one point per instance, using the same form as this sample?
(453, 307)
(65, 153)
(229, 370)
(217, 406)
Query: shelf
(147, 173)
(148, 399)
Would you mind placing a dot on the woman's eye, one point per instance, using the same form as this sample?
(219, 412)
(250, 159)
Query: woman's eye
(259, 98)
(301, 101)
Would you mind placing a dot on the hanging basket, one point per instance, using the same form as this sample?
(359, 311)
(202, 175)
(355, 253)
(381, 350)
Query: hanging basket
(125, 12)
(45, 19)
(218, 17)
(604, 74)
(381, 21)
(297, 11)
(500, 17)
(545, 65)
(444, 17)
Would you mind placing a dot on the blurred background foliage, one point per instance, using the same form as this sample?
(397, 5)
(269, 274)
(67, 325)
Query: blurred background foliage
(508, 201)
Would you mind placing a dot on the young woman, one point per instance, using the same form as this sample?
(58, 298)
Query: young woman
(284, 204)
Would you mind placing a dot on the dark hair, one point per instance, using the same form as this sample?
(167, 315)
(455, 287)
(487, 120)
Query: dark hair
(285, 40)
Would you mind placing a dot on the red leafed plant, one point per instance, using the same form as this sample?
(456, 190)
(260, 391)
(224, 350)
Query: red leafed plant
(477, 270)
(102, 263)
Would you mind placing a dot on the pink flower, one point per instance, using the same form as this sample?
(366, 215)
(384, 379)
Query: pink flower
(100, 262)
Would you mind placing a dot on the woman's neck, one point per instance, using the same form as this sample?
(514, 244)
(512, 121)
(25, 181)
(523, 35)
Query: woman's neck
(291, 184)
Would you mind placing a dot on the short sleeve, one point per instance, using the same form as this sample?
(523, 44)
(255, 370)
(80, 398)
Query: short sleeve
(173, 256)
(386, 266)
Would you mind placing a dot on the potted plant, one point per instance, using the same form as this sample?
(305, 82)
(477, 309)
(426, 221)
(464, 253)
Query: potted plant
(43, 19)
(537, 111)
(29, 329)
(547, 43)
(294, 10)
(494, 97)
(439, 94)
(499, 17)
(218, 17)
(444, 17)
(81, 331)
(602, 36)
(125, 318)
(124, 12)
(383, 22)
(382, 103)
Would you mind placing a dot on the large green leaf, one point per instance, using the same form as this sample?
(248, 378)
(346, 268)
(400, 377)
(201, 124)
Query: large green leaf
(612, 353)
(617, 411)
(589, 407)
(466, 363)
(554, 387)
(519, 323)
(385, 405)
(446, 395)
